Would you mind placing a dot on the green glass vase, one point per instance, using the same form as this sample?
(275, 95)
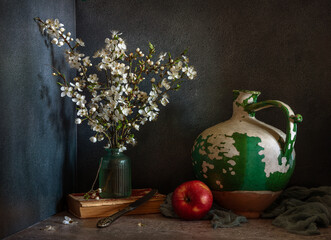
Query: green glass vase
(115, 175)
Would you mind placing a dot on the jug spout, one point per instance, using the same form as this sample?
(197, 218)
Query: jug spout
(241, 98)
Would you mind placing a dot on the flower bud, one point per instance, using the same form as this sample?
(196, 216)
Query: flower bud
(54, 41)
(93, 139)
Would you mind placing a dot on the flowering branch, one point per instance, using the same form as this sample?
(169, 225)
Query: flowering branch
(117, 106)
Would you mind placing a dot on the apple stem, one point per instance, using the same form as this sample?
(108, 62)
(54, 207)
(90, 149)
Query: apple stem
(187, 199)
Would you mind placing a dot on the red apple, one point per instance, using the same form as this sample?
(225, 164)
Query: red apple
(192, 200)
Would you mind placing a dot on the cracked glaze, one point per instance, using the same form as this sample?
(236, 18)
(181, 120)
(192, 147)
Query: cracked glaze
(246, 154)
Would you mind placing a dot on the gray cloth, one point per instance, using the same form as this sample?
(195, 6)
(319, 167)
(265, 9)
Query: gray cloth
(220, 217)
(301, 210)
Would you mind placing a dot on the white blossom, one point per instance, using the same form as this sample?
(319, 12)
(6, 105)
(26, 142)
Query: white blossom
(126, 111)
(93, 78)
(80, 42)
(78, 121)
(190, 72)
(82, 112)
(115, 102)
(152, 115)
(66, 91)
(74, 58)
(79, 100)
(136, 126)
(87, 61)
(77, 86)
(162, 56)
(186, 59)
(100, 137)
(93, 139)
(67, 220)
(165, 100)
(165, 84)
(173, 74)
(122, 148)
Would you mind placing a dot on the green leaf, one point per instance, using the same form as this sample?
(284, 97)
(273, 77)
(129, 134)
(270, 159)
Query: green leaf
(60, 83)
(86, 196)
(118, 127)
(151, 45)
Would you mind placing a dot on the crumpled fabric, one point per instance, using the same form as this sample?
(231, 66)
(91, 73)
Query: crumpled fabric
(301, 210)
(218, 216)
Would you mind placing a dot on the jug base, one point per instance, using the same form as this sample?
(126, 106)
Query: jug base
(246, 203)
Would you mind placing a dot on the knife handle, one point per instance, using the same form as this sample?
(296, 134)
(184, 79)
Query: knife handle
(105, 222)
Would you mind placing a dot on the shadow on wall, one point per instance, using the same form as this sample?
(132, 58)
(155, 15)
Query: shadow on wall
(38, 154)
(61, 117)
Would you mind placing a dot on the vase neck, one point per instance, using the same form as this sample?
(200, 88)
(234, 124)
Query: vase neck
(113, 151)
(242, 98)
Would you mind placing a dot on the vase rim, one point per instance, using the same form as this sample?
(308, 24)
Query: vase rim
(247, 91)
(112, 149)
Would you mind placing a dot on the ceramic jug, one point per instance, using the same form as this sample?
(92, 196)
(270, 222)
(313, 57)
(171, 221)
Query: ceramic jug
(245, 162)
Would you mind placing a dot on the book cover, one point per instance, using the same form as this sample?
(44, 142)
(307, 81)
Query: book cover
(91, 208)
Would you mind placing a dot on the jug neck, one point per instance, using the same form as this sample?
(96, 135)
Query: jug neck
(242, 98)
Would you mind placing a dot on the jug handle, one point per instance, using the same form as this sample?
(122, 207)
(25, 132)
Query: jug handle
(291, 121)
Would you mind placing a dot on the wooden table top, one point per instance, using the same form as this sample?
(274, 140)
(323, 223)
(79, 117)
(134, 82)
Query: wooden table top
(155, 226)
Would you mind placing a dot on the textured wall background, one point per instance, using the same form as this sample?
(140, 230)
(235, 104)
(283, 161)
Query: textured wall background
(38, 136)
(280, 48)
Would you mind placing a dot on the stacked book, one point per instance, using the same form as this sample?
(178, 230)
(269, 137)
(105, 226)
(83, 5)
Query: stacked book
(91, 208)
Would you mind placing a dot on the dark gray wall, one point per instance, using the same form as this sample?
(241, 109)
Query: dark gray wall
(280, 48)
(38, 137)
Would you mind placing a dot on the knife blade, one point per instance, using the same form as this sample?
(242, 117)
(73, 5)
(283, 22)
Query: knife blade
(105, 222)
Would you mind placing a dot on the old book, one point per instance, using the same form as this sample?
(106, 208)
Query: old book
(91, 208)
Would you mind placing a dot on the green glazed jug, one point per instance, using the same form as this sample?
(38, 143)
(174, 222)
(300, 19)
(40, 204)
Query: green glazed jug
(245, 162)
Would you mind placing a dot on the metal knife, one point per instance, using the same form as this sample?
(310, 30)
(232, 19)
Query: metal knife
(105, 222)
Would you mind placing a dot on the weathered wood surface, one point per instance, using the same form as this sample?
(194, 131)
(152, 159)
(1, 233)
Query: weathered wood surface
(154, 226)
